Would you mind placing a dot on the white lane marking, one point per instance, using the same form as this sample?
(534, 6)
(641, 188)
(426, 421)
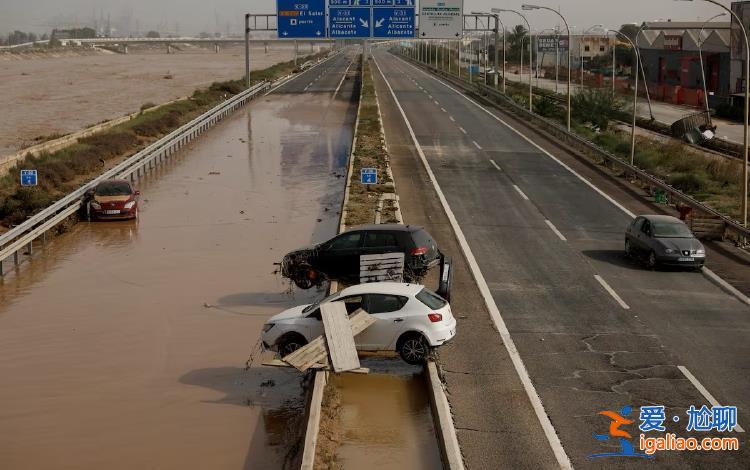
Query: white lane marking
(510, 345)
(576, 174)
(343, 77)
(554, 229)
(451, 118)
(429, 96)
(495, 165)
(518, 190)
(706, 394)
(476, 144)
(611, 292)
(436, 102)
(443, 110)
(462, 130)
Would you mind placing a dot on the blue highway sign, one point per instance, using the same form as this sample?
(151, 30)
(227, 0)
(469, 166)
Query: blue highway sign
(390, 22)
(350, 3)
(350, 22)
(28, 178)
(368, 176)
(301, 18)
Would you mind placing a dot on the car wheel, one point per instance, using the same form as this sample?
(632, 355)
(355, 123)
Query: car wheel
(413, 348)
(628, 249)
(290, 343)
(303, 282)
(651, 263)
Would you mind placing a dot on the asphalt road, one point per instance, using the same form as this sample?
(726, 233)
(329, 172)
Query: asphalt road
(594, 331)
(123, 344)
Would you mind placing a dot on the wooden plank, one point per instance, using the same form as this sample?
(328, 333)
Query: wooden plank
(339, 337)
(316, 350)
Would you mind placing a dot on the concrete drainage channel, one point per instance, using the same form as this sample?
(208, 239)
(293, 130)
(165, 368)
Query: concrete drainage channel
(396, 416)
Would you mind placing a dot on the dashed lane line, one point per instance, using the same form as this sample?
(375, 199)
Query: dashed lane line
(609, 289)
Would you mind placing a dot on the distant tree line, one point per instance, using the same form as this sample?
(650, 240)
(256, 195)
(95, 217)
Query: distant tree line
(21, 37)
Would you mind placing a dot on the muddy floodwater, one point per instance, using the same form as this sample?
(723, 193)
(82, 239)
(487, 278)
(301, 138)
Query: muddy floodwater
(386, 419)
(123, 345)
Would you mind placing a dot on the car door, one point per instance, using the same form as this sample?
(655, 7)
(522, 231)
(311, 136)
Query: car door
(389, 319)
(631, 233)
(643, 237)
(379, 242)
(339, 257)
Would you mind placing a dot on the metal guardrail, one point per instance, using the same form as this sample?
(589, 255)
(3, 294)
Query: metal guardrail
(37, 225)
(732, 229)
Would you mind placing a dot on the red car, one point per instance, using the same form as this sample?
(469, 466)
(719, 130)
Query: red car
(113, 199)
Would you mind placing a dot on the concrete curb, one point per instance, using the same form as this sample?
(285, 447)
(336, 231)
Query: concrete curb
(725, 286)
(313, 420)
(441, 414)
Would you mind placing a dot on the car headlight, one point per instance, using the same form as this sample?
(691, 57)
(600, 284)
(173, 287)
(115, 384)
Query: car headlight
(700, 251)
(669, 251)
(95, 205)
(267, 327)
(129, 205)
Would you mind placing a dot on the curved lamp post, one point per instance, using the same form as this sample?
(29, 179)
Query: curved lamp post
(528, 26)
(580, 49)
(743, 202)
(643, 70)
(700, 55)
(537, 7)
(635, 93)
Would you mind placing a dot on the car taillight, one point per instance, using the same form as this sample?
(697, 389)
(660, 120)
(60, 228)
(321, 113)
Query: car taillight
(419, 251)
(435, 317)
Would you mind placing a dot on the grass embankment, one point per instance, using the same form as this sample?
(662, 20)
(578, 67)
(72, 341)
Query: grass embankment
(369, 152)
(712, 180)
(67, 169)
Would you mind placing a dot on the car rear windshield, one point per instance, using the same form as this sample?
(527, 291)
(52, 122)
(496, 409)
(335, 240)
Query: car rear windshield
(431, 299)
(113, 189)
(671, 230)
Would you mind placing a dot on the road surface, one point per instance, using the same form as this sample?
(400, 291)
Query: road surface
(594, 331)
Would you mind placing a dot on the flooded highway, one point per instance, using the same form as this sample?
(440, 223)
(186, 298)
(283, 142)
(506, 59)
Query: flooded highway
(123, 345)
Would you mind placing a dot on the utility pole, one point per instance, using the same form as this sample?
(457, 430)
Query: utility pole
(247, 50)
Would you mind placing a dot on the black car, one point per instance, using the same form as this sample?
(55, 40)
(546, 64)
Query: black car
(338, 258)
(663, 240)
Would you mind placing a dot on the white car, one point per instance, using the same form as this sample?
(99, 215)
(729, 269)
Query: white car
(410, 319)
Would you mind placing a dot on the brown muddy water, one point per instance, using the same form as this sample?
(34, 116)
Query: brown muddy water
(123, 345)
(386, 418)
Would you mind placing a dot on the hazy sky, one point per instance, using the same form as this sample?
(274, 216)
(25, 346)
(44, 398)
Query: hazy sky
(192, 16)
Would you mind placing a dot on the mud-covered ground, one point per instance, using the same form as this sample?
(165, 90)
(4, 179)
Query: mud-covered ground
(59, 93)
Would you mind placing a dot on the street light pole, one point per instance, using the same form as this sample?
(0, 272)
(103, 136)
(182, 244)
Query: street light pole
(743, 202)
(531, 60)
(247, 50)
(643, 71)
(700, 55)
(537, 7)
(635, 94)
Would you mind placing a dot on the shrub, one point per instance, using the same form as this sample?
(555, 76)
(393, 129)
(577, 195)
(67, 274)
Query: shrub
(595, 106)
(688, 182)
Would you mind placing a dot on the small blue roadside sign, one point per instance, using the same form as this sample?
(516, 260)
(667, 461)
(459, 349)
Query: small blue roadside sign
(368, 176)
(349, 22)
(28, 178)
(301, 18)
(393, 22)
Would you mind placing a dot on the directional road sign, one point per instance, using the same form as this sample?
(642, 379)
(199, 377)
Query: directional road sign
(393, 22)
(441, 19)
(28, 177)
(368, 176)
(301, 18)
(350, 22)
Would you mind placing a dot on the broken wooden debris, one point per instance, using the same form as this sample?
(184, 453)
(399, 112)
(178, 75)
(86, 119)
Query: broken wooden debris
(339, 337)
(316, 351)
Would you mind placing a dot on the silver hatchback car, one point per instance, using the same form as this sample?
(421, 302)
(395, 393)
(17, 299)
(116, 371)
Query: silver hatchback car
(663, 240)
